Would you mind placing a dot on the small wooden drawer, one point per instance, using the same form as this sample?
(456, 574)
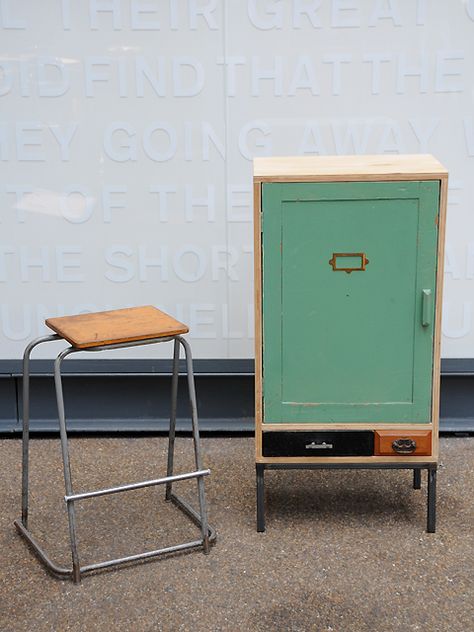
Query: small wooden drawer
(317, 444)
(397, 443)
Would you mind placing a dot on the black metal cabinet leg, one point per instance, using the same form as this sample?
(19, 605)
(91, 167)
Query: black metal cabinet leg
(417, 478)
(431, 521)
(260, 468)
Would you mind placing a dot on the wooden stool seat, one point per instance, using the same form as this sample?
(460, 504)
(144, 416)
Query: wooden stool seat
(116, 326)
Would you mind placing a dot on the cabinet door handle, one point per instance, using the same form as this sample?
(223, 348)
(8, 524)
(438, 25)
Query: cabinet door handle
(426, 308)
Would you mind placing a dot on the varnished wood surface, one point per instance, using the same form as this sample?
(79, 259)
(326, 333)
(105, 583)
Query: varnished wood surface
(347, 168)
(116, 326)
(383, 440)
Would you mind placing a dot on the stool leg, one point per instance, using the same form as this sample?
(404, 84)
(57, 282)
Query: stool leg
(174, 403)
(197, 447)
(76, 572)
(26, 425)
(26, 436)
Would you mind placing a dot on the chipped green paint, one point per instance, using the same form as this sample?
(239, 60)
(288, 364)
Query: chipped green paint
(341, 347)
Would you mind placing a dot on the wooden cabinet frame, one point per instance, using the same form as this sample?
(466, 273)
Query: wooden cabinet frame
(387, 168)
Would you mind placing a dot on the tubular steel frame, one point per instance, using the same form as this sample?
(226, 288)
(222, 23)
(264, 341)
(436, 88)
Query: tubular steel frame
(416, 467)
(208, 534)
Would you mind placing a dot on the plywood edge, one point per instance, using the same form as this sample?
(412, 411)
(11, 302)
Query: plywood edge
(258, 316)
(443, 202)
(347, 168)
(422, 177)
(369, 460)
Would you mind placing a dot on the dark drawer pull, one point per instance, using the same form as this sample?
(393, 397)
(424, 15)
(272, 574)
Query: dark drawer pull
(404, 446)
(319, 446)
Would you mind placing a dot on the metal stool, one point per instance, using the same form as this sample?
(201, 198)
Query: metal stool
(117, 329)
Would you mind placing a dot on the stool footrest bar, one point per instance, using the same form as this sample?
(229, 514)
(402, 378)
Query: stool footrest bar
(141, 556)
(124, 488)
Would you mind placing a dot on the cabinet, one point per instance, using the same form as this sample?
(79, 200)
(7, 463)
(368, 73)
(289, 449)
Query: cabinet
(348, 283)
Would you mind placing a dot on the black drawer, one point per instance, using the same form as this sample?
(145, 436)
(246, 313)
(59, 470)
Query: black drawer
(333, 443)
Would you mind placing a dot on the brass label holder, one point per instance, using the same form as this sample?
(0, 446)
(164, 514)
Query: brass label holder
(334, 263)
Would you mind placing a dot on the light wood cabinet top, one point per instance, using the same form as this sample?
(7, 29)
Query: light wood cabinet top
(348, 168)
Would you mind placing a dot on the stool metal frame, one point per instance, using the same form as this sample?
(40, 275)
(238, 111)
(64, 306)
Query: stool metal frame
(208, 534)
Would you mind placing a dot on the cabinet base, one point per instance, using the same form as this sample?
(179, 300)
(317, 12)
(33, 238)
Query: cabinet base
(416, 467)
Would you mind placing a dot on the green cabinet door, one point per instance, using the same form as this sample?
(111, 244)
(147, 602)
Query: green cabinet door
(354, 346)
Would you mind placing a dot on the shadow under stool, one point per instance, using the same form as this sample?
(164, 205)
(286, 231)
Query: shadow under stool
(116, 329)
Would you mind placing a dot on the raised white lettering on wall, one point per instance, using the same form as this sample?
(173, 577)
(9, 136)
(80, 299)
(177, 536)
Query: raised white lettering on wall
(469, 4)
(459, 324)
(270, 17)
(128, 128)
(468, 123)
(255, 134)
(11, 15)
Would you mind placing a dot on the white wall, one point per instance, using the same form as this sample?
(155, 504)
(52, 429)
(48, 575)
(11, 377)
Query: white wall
(127, 129)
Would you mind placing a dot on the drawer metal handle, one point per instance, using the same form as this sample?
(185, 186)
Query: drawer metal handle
(319, 446)
(360, 268)
(404, 446)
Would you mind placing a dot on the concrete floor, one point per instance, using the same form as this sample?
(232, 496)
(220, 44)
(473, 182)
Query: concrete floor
(343, 551)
